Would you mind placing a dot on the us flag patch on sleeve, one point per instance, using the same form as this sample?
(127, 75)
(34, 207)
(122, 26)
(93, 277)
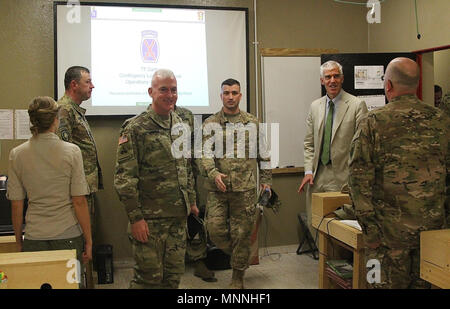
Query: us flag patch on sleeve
(123, 139)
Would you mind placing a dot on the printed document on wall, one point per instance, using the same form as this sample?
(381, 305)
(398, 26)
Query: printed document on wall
(373, 101)
(369, 76)
(22, 124)
(6, 124)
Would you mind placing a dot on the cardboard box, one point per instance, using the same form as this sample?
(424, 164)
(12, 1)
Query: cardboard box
(435, 257)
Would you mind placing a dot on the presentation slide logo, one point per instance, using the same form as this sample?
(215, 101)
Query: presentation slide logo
(149, 46)
(93, 13)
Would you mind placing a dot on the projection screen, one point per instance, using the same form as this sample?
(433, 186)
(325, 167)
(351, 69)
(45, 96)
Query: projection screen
(123, 45)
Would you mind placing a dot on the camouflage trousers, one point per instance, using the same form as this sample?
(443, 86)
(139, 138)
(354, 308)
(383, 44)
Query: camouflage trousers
(229, 220)
(160, 261)
(399, 268)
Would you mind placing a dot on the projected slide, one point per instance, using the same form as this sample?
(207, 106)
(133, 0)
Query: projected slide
(129, 44)
(124, 45)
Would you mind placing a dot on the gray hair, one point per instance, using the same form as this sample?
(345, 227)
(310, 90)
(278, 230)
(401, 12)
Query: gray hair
(162, 73)
(330, 65)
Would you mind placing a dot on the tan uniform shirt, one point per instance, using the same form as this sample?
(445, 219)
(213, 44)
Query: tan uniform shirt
(48, 171)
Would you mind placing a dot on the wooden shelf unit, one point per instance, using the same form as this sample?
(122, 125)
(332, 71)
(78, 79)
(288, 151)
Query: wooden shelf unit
(332, 233)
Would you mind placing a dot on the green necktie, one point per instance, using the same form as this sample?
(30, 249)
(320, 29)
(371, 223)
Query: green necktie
(325, 157)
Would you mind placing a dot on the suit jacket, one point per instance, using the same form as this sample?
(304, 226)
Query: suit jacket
(346, 121)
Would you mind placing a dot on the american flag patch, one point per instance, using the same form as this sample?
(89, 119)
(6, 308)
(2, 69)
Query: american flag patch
(123, 139)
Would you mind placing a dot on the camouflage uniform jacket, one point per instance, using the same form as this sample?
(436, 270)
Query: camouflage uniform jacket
(399, 161)
(150, 182)
(74, 128)
(188, 118)
(240, 170)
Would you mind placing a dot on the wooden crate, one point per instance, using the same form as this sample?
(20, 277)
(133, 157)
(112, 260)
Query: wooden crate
(8, 244)
(31, 270)
(435, 257)
(327, 202)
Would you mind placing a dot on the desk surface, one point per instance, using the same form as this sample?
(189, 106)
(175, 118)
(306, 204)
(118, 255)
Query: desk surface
(336, 229)
(323, 204)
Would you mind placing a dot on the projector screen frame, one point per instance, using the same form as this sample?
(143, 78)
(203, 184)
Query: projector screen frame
(123, 4)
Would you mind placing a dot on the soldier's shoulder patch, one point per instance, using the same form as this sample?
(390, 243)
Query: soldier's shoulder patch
(65, 135)
(123, 139)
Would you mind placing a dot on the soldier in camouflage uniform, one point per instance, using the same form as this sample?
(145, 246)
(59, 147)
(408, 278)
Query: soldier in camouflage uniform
(74, 128)
(445, 106)
(156, 188)
(196, 247)
(231, 183)
(399, 161)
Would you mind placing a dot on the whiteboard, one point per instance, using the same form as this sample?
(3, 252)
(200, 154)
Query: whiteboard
(289, 85)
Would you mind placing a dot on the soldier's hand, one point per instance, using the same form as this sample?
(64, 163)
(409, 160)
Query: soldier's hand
(194, 210)
(307, 179)
(219, 182)
(264, 187)
(139, 231)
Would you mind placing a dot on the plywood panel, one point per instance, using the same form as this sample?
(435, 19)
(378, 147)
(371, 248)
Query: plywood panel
(30, 270)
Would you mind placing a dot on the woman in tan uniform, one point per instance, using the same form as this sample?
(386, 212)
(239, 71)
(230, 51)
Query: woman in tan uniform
(49, 172)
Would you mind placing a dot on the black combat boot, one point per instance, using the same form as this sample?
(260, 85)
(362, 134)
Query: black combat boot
(201, 271)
